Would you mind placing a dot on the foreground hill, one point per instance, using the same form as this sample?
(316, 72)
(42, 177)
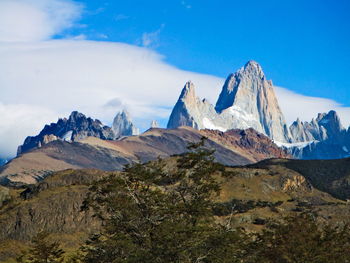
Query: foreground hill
(331, 176)
(253, 195)
(234, 147)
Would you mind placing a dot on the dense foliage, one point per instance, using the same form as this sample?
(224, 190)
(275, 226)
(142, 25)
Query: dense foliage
(43, 250)
(302, 239)
(155, 213)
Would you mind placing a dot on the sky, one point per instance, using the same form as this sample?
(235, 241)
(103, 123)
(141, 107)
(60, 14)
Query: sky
(99, 57)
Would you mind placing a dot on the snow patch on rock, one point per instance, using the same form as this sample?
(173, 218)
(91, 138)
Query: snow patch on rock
(209, 125)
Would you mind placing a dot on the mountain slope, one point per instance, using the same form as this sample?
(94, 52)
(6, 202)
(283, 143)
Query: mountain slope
(232, 148)
(331, 176)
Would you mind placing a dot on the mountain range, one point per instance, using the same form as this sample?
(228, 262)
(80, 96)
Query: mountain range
(234, 147)
(246, 125)
(248, 100)
(78, 127)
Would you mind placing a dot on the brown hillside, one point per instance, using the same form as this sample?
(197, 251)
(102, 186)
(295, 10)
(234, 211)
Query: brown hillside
(232, 148)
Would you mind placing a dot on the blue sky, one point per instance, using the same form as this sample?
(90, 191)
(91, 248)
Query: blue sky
(302, 45)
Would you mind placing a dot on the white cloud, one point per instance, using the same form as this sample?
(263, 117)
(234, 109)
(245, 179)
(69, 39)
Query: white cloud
(66, 75)
(33, 20)
(304, 107)
(19, 121)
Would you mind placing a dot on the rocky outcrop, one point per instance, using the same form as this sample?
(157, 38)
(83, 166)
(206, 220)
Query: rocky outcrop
(295, 182)
(247, 100)
(301, 132)
(75, 128)
(53, 206)
(123, 126)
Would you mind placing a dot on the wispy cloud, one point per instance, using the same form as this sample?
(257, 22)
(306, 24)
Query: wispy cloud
(78, 37)
(185, 4)
(151, 39)
(295, 106)
(120, 17)
(102, 36)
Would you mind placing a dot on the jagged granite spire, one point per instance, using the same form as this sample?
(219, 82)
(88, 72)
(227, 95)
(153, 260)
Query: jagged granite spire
(247, 95)
(123, 126)
(189, 110)
(325, 126)
(233, 85)
(247, 100)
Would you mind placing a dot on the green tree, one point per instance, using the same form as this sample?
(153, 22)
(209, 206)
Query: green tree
(42, 251)
(302, 239)
(161, 213)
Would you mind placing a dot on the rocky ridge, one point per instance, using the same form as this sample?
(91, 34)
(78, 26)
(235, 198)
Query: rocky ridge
(322, 138)
(78, 127)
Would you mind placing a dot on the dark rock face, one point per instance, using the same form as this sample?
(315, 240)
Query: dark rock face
(75, 128)
(256, 144)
